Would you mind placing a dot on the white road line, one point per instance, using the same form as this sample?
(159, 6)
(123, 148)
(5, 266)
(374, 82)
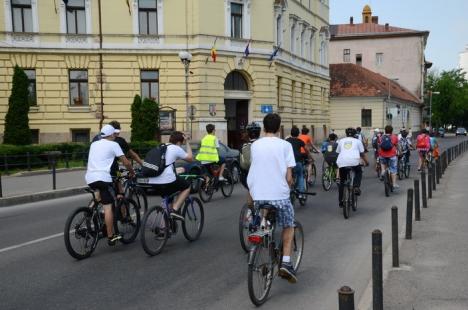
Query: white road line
(17, 246)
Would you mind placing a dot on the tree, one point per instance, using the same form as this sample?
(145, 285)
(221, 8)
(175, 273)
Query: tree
(17, 130)
(136, 119)
(149, 120)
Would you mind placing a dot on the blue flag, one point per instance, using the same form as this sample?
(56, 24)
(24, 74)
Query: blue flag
(247, 51)
(273, 55)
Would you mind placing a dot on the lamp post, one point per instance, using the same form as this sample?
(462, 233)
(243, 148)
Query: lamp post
(186, 58)
(388, 101)
(430, 106)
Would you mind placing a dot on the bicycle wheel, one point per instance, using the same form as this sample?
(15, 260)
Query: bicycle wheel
(128, 220)
(227, 186)
(80, 233)
(260, 274)
(313, 175)
(206, 190)
(326, 179)
(194, 218)
(387, 183)
(378, 169)
(139, 196)
(297, 246)
(246, 223)
(407, 170)
(401, 171)
(354, 199)
(346, 201)
(154, 230)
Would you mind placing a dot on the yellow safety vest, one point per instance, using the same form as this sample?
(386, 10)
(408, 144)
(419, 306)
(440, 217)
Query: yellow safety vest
(208, 151)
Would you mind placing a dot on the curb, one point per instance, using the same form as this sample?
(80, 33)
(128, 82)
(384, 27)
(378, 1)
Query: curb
(11, 201)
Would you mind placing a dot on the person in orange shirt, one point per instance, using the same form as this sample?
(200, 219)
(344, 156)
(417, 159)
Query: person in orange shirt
(307, 150)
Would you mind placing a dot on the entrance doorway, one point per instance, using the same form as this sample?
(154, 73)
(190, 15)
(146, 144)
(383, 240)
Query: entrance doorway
(237, 117)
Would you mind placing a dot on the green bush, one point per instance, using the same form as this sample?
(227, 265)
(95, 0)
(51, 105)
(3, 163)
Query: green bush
(137, 129)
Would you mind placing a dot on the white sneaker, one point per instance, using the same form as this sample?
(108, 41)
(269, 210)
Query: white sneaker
(221, 178)
(396, 186)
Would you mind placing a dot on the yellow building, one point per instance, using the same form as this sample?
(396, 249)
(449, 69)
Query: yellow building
(66, 46)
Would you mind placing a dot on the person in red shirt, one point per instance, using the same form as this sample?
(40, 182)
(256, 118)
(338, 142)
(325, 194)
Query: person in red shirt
(307, 150)
(388, 153)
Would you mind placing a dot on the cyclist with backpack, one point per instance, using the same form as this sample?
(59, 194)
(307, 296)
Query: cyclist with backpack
(159, 167)
(329, 152)
(404, 145)
(423, 145)
(253, 132)
(388, 153)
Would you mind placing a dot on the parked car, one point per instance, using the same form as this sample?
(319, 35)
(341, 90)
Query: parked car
(460, 132)
(441, 132)
(230, 155)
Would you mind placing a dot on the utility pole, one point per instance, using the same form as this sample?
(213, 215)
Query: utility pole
(101, 121)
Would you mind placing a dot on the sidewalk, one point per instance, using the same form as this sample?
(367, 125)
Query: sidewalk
(433, 273)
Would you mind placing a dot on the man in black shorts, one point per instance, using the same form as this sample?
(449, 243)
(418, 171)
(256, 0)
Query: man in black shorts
(101, 156)
(168, 182)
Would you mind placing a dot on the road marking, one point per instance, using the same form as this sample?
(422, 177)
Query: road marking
(17, 246)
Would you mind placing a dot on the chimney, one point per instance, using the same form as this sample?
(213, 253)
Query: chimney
(375, 19)
(386, 26)
(351, 20)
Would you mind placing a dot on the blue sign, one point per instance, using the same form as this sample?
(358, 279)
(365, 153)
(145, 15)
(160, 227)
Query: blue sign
(266, 108)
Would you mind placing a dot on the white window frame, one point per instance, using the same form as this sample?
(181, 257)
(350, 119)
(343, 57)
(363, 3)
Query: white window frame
(23, 39)
(379, 59)
(147, 40)
(246, 18)
(9, 17)
(63, 19)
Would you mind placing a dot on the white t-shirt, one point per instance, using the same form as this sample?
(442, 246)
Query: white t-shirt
(270, 159)
(349, 152)
(100, 159)
(173, 153)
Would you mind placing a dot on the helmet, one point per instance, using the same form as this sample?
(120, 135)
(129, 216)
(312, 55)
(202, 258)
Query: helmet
(404, 133)
(253, 129)
(350, 132)
(376, 130)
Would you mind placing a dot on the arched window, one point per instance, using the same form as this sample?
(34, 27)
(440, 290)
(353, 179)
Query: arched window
(235, 81)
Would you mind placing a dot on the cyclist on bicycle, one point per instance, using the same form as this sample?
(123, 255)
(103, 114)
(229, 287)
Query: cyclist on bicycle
(404, 145)
(350, 153)
(269, 181)
(253, 131)
(209, 153)
(388, 153)
(434, 146)
(297, 144)
(307, 150)
(329, 152)
(101, 156)
(423, 145)
(169, 182)
(360, 136)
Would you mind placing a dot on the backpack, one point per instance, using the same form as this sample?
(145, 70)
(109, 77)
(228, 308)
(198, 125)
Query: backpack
(386, 143)
(375, 141)
(245, 156)
(423, 142)
(155, 162)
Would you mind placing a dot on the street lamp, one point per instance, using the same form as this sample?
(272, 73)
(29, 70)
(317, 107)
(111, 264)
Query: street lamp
(430, 106)
(186, 58)
(388, 100)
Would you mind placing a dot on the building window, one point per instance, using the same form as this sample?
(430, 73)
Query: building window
(346, 55)
(379, 59)
(279, 93)
(34, 136)
(279, 29)
(78, 81)
(359, 59)
(303, 43)
(21, 11)
(235, 81)
(293, 37)
(148, 17)
(236, 20)
(150, 84)
(311, 46)
(366, 118)
(80, 135)
(31, 74)
(76, 17)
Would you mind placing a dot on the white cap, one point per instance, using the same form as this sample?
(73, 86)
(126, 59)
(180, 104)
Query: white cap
(107, 131)
(376, 130)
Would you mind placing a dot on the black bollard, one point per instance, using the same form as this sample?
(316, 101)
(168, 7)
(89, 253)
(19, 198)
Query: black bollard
(377, 279)
(429, 183)
(424, 189)
(345, 298)
(409, 214)
(395, 255)
(417, 206)
(438, 171)
(54, 176)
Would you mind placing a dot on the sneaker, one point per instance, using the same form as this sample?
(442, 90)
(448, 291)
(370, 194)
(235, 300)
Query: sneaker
(221, 178)
(396, 186)
(287, 272)
(112, 240)
(176, 215)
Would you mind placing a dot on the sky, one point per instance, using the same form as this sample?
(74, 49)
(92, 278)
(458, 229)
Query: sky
(447, 21)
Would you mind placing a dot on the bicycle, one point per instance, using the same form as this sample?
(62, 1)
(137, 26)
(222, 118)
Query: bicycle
(378, 167)
(350, 199)
(213, 184)
(266, 254)
(387, 179)
(158, 226)
(328, 175)
(134, 192)
(86, 225)
(312, 179)
(403, 167)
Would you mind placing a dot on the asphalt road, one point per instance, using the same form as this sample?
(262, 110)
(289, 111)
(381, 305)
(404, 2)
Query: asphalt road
(37, 273)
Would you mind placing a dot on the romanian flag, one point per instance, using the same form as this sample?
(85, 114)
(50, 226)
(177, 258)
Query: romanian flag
(213, 53)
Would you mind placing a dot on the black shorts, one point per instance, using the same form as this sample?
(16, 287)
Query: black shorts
(104, 191)
(178, 185)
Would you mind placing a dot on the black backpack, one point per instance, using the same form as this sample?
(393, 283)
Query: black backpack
(155, 162)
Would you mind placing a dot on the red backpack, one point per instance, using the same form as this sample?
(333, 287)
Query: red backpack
(423, 142)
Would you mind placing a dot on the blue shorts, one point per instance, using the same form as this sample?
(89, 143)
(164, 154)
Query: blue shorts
(391, 163)
(284, 211)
